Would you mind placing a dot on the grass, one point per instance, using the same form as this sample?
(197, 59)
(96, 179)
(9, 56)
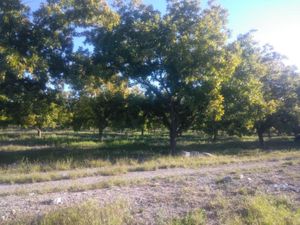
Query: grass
(20, 178)
(250, 210)
(80, 187)
(24, 158)
(196, 217)
(70, 155)
(266, 210)
(30, 173)
(255, 209)
(91, 213)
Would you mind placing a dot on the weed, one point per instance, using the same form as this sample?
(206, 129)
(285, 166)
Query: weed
(91, 213)
(264, 210)
(193, 218)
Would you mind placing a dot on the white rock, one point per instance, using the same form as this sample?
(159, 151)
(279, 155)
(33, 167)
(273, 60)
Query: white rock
(207, 154)
(31, 194)
(195, 154)
(241, 176)
(249, 179)
(65, 175)
(57, 201)
(185, 154)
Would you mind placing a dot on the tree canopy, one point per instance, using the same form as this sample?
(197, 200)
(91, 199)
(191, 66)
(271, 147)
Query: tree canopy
(180, 59)
(179, 69)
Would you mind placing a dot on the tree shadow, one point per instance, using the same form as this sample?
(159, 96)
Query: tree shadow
(118, 146)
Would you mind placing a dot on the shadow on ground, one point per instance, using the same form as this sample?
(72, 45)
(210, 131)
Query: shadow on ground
(85, 146)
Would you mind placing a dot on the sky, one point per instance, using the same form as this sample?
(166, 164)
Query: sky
(277, 22)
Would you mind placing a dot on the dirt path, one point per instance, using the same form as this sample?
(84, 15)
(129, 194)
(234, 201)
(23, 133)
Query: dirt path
(12, 188)
(171, 193)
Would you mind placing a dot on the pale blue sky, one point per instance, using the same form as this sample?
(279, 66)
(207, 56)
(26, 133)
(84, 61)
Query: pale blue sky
(277, 22)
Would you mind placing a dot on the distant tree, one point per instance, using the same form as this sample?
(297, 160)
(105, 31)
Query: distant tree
(102, 105)
(243, 92)
(280, 85)
(83, 115)
(137, 111)
(179, 59)
(258, 92)
(285, 87)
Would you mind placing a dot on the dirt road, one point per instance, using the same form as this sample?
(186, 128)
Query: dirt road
(157, 195)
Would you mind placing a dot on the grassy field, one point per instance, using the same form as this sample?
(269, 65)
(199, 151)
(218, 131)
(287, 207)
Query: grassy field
(25, 158)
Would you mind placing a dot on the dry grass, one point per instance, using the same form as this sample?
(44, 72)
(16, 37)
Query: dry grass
(122, 166)
(246, 210)
(88, 213)
(24, 158)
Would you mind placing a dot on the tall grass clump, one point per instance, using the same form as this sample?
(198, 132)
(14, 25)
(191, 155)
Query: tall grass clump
(266, 210)
(88, 213)
(197, 217)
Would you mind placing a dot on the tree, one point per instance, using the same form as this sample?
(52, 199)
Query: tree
(284, 87)
(244, 102)
(18, 59)
(280, 84)
(36, 55)
(179, 58)
(259, 90)
(103, 104)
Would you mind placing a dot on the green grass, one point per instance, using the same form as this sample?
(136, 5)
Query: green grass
(88, 213)
(27, 172)
(24, 158)
(266, 210)
(113, 182)
(197, 217)
(250, 210)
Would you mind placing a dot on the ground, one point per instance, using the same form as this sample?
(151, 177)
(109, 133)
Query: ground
(155, 188)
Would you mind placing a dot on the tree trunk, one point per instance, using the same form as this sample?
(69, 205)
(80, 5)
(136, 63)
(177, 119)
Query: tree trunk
(173, 130)
(260, 138)
(142, 132)
(172, 142)
(39, 132)
(100, 133)
(215, 136)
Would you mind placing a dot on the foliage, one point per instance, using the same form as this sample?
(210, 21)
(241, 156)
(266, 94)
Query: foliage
(106, 107)
(263, 210)
(140, 69)
(261, 93)
(179, 58)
